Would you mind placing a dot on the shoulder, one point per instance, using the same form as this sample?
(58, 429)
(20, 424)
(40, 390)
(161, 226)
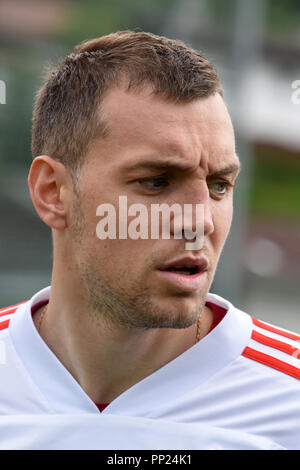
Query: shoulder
(18, 393)
(275, 348)
(260, 345)
(261, 386)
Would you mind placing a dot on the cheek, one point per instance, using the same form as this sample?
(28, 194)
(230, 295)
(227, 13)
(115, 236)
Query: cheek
(115, 256)
(222, 223)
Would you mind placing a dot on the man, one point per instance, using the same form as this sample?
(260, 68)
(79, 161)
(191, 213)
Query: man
(128, 349)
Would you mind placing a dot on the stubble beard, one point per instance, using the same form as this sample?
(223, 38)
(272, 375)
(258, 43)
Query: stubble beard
(132, 306)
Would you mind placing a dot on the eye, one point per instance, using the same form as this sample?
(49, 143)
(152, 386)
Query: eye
(220, 188)
(155, 183)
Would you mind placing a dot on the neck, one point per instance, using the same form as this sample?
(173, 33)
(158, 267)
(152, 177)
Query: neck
(108, 359)
(106, 363)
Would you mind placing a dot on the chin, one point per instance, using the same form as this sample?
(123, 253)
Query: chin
(178, 312)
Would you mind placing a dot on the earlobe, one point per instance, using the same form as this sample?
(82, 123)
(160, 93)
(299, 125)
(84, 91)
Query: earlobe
(48, 182)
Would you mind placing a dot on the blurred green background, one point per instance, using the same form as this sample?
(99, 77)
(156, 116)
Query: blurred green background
(255, 46)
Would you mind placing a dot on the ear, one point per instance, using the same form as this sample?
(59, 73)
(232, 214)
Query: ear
(50, 187)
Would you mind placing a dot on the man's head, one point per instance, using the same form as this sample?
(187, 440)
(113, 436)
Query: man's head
(135, 115)
(68, 113)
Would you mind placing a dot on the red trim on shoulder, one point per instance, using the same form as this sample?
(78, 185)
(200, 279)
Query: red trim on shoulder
(10, 309)
(274, 343)
(272, 362)
(286, 334)
(8, 312)
(4, 324)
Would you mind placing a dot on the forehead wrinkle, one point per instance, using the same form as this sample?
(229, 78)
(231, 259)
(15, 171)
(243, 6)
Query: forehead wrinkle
(189, 139)
(204, 161)
(163, 163)
(170, 150)
(218, 166)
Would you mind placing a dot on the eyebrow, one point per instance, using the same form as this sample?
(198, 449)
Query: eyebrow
(228, 170)
(165, 165)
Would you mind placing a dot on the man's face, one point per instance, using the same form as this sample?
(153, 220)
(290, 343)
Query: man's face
(155, 152)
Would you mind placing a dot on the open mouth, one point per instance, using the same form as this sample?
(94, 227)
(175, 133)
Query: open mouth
(185, 274)
(186, 266)
(185, 270)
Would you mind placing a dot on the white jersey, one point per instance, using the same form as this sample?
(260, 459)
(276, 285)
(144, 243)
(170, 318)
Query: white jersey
(238, 388)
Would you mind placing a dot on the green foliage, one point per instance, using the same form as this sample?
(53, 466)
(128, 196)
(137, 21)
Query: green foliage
(281, 16)
(93, 18)
(15, 116)
(275, 191)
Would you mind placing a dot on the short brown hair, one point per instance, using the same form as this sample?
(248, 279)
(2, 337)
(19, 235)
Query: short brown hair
(66, 116)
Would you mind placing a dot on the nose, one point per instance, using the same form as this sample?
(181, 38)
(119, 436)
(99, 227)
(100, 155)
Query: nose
(197, 221)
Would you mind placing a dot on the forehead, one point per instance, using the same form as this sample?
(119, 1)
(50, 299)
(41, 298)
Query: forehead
(142, 125)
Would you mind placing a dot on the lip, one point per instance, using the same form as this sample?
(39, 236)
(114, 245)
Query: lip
(200, 263)
(187, 283)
